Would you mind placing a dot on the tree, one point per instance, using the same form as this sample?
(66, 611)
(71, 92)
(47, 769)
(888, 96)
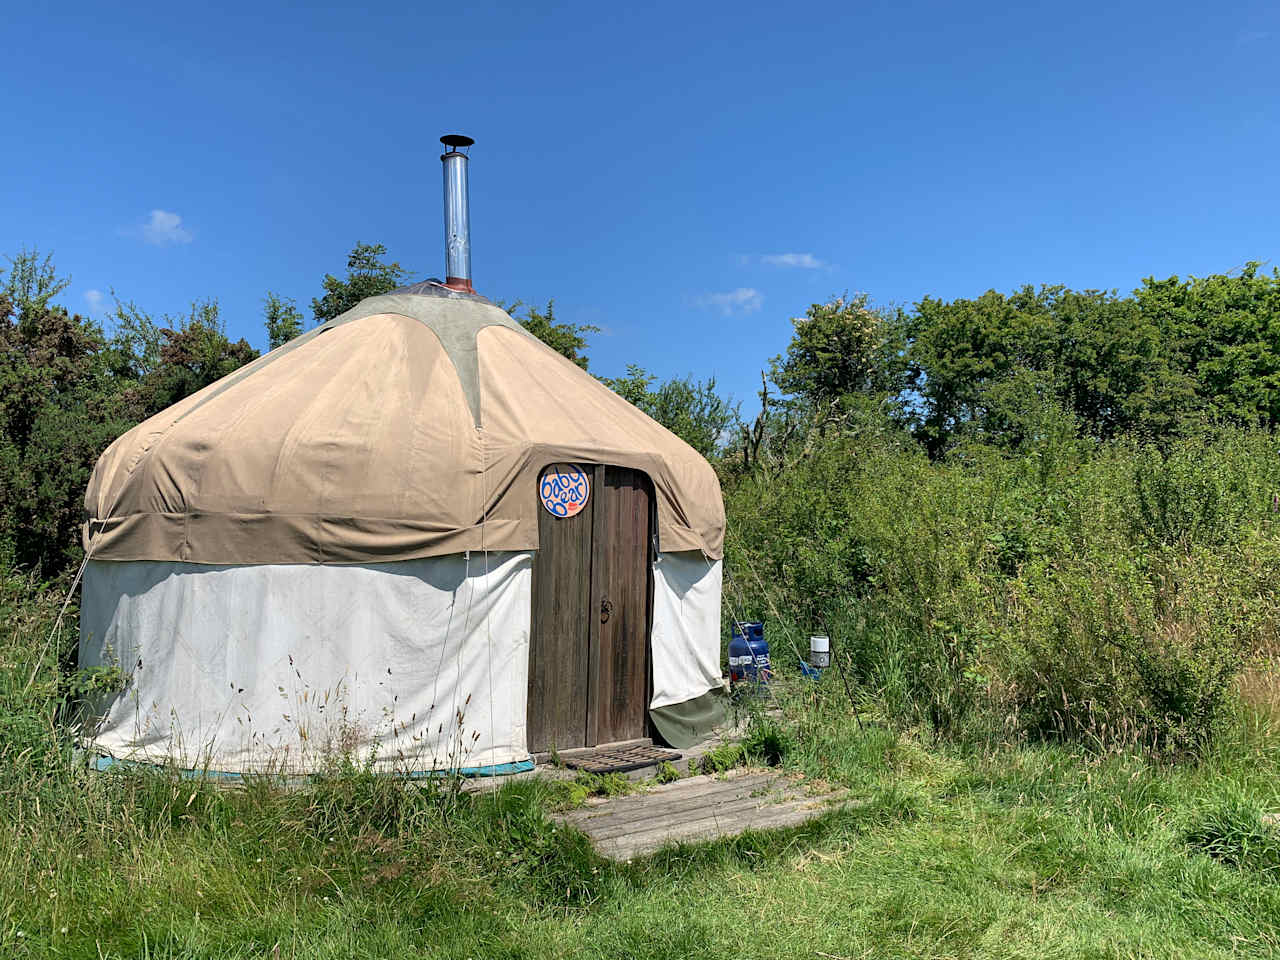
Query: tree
(135, 342)
(693, 411)
(689, 408)
(838, 348)
(844, 367)
(782, 429)
(66, 392)
(567, 339)
(1224, 333)
(634, 387)
(282, 318)
(58, 411)
(160, 363)
(1103, 358)
(32, 282)
(367, 276)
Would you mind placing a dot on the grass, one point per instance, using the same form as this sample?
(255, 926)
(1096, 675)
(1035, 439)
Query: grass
(957, 849)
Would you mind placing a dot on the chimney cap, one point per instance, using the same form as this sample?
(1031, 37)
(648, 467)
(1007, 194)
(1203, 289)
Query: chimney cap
(456, 140)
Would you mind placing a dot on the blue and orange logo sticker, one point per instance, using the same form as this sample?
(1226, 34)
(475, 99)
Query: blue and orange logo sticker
(564, 489)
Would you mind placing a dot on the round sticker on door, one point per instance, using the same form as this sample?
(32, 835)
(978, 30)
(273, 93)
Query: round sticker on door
(564, 489)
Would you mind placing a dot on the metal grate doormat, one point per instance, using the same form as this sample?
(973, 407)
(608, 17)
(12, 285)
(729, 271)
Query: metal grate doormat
(620, 760)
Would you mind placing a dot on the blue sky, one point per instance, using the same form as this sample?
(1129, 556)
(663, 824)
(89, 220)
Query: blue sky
(685, 176)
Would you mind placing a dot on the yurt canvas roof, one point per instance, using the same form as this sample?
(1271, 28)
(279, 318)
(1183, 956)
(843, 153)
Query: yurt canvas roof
(414, 425)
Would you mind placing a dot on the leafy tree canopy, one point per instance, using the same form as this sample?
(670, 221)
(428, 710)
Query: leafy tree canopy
(689, 408)
(567, 339)
(282, 319)
(841, 347)
(1200, 347)
(845, 366)
(160, 362)
(58, 410)
(1094, 353)
(32, 282)
(1223, 332)
(367, 276)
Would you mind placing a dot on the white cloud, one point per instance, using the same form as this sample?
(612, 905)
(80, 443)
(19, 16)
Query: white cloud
(805, 261)
(164, 229)
(741, 300)
(96, 300)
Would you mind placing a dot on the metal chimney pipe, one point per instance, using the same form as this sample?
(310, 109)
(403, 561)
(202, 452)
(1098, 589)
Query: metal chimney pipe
(457, 214)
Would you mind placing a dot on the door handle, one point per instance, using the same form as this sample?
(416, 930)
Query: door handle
(606, 608)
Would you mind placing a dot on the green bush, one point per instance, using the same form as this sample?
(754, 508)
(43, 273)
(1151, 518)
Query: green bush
(1208, 488)
(1103, 592)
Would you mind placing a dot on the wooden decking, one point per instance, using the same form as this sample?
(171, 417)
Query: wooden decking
(699, 808)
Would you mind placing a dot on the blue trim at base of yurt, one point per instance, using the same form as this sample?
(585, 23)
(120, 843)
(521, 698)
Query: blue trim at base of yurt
(106, 764)
(493, 770)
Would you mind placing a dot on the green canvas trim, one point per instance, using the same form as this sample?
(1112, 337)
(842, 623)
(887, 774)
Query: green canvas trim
(682, 725)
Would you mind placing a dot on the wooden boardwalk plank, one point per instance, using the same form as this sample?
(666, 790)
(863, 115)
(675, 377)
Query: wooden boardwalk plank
(721, 810)
(699, 808)
(708, 782)
(643, 805)
(789, 814)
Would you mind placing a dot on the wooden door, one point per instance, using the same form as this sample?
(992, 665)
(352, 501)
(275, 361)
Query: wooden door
(558, 665)
(618, 696)
(589, 677)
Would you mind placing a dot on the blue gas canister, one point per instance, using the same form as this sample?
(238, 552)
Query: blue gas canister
(749, 653)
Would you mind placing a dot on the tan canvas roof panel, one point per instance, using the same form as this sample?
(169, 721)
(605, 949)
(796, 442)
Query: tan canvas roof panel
(411, 426)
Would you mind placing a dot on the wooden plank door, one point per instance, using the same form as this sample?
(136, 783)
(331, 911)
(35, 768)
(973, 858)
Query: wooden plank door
(589, 676)
(558, 662)
(618, 695)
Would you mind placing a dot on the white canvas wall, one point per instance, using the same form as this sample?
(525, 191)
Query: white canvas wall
(262, 667)
(686, 627)
(258, 667)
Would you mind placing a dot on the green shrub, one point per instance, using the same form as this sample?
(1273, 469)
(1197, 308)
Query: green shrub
(1207, 488)
(1107, 593)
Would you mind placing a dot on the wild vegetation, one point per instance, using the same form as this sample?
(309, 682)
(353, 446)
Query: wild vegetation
(1103, 591)
(1040, 527)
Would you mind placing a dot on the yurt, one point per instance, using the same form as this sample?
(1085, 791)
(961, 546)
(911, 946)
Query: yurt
(416, 537)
